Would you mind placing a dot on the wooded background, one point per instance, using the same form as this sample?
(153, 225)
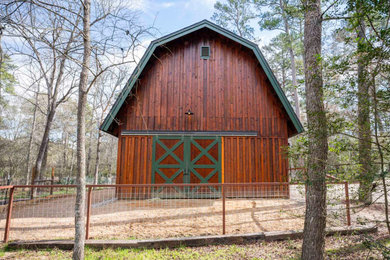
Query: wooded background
(61, 60)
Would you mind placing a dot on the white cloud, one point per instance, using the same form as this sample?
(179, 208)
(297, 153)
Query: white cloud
(167, 4)
(136, 5)
(146, 5)
(196, 4)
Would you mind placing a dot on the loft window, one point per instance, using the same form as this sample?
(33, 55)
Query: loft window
(205, 52)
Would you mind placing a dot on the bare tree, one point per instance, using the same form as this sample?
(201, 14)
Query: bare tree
(47, 41)
(31, 138)
(78, 249)
(105, 92)
(112, 38)
(315, 217)
(90, 129)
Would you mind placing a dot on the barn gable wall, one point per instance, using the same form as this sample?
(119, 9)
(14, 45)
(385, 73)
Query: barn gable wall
(227, 92)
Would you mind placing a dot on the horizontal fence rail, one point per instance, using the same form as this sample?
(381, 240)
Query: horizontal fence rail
(132, 211)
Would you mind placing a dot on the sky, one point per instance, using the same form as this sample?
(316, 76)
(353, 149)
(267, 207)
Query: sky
(169, 16)
(172, 15)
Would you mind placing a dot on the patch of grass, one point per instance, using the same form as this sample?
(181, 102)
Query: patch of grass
(352, 248)
(230, 252)
(102, 237)
(34, 254)
(345, 250)
(377, 245)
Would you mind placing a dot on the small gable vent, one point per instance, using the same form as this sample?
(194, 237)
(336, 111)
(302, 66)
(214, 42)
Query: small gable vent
(205, 52)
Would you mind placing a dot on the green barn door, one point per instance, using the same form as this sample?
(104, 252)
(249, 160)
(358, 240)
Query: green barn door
(204, 164)
(186, 159)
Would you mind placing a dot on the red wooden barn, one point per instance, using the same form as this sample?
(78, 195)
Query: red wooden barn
(202, 106)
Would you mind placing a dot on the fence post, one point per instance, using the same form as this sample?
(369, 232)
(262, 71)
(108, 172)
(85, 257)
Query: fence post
(347, 204)
(9, 214)
(223, 210)
(88, 212)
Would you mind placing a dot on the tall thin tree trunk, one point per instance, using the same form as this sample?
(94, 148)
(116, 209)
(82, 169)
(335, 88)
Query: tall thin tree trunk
(43, 146)
(1, 59)
(292, 59)
(71, 165)
(295, 83)
(96, 174)
(315, 217)
(283, 69)
(31, 139)
(44, 142)
(113, 160)
(44, 162)
(64, 156)
(78, 250)
(89, 155)
(381, 156)
(364, 130)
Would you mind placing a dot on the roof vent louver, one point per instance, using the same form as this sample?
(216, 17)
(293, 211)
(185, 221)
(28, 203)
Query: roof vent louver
(205, 52)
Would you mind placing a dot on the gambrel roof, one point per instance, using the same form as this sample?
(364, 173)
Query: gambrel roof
(185, 31)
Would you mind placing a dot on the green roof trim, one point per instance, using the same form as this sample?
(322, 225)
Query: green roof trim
(185, 31)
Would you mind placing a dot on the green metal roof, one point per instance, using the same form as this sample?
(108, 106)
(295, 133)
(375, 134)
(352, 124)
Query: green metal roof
(185, 31)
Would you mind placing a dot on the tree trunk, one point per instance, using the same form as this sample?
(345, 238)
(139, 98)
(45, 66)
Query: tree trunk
(70, 173)
(381, 156)
(283, 69)
(294, 82)
(43, 146)
(292, 59)
(315, 217)
(64, 157)
(31, 139)
(113, 160)
(44, 142)
(96, 175)
(1, 60)
(89, 154)
(364, 130)
(89, 157)
(78, 250)
(44, 162)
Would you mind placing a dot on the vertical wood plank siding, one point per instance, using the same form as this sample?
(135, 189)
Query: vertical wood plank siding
(136, 158)
(134, 162)
(227, 92)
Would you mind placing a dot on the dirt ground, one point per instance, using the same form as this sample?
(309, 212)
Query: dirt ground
(160, 218)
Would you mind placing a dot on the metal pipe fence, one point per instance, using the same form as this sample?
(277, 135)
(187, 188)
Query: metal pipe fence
(136, 211)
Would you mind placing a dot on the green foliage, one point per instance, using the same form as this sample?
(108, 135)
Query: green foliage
(7, 79)
(279, 60)
(272, 13)
(342, 52)
(235, 15)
